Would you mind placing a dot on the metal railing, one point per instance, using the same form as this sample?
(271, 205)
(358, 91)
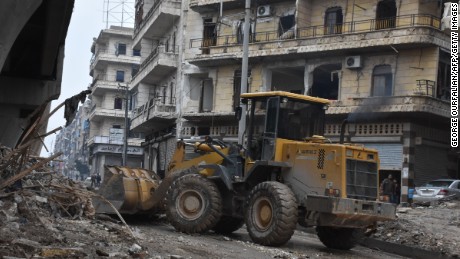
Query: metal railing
(403, 21)
(147, 17)
(155, 52)
(425, 87)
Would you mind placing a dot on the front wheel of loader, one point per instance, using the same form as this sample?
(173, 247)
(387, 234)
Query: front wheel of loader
(339, 238)
(271, 215)
(194, 204)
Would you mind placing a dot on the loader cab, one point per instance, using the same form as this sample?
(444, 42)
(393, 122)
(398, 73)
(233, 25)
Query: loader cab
(273, 115)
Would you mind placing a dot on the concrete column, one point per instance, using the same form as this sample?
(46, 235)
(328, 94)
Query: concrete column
(407, 173)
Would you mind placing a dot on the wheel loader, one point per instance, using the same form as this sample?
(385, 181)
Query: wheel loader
(286, 174)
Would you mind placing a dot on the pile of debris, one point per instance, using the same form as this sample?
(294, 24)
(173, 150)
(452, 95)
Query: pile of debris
(46, 214)
(434, 228)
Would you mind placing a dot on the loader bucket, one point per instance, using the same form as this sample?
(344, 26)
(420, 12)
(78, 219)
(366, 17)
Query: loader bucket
(129, 190)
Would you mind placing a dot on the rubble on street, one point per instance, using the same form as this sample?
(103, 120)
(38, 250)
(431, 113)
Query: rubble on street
(433, 228)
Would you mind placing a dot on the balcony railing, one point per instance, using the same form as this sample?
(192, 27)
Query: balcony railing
(155, 52)
(425, 87)
(404, 21)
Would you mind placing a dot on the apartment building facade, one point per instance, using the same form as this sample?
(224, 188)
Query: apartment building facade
(113, 63)
(71, 141)
(385, 65)
(154, 88)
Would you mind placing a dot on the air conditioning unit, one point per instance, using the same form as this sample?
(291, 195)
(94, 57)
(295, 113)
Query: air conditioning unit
(353, 62)
(263, 10)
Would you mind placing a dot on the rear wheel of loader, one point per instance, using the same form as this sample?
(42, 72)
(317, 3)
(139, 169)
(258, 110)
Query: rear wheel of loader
(194, 204)
(339, 238)
(228, 225)
(271, 216)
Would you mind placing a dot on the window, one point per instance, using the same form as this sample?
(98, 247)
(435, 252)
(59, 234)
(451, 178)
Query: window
(382, 81)
(136, 52)
(286, 27)
(120, 76)
(386, 14)
(118, 103)
(333, 21)
(116, 126)
(121, 49)
(209, 35)
(134, 70)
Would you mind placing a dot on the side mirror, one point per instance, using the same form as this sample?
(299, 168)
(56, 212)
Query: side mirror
(238, 112)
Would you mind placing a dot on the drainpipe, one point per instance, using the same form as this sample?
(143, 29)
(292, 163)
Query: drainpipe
(244, 72)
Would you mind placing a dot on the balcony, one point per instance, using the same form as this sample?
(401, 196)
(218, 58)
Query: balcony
(103, 56)
(158, 64)
(413, 30)
(98, 113)
(414, 105)
(108, 140)
(153, 116)
(159, 19)
(214, 5)
(103, 83)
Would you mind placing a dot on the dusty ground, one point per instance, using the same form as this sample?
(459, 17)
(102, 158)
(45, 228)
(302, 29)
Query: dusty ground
(434, 228)
(50, 217)
(31, 228)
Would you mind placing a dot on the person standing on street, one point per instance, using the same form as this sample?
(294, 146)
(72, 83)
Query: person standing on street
(387, 188)
(93, 180)
(98, 180)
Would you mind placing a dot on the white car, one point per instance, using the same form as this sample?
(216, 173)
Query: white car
(442, 189)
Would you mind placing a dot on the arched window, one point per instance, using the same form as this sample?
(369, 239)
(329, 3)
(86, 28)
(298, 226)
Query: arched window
(382, 81)
(333, 21)
(386, 14)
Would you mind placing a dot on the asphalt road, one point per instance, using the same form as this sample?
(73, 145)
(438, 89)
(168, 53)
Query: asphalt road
(162, 241)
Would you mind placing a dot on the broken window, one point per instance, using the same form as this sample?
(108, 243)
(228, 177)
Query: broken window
(209, 35)
(326, 81)
(333, 21)
(120, 76)
(118, 103)
(382, 81)
(286, 27)
(290, 79)
(386, 15)
(237, 87)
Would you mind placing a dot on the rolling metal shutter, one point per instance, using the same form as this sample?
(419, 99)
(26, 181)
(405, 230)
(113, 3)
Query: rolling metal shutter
(391, 155)
(430, 164)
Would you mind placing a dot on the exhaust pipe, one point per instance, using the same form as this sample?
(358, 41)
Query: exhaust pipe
(342, 130)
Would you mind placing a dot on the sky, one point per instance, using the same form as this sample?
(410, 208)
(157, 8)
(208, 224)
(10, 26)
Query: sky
(88, 19)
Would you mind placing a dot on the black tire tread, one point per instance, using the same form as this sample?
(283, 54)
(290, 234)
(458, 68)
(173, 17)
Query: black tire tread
(228, 225)
(285, 214)
(339, 238)
(213, 213)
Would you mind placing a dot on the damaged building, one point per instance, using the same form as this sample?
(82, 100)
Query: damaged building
(385, 65)
(113, 64)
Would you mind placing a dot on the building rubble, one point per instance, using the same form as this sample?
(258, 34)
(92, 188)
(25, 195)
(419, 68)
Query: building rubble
(434, 228)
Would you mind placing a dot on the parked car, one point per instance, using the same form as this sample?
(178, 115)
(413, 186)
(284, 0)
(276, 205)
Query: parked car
(442, 189)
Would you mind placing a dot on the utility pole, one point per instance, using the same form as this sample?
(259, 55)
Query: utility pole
(244, 72)
(126, 130)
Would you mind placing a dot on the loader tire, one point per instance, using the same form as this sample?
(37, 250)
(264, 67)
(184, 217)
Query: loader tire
(228, 225)
(193, 204)
(339, 238)
(271, 215)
